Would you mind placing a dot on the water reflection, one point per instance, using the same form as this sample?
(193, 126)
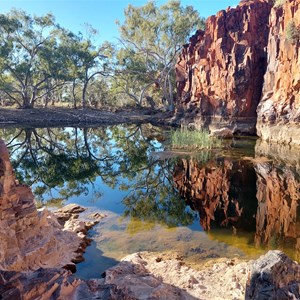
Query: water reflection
(222, 190)
(73, 162)
(246, 197)
(278, 195)
(256, 197)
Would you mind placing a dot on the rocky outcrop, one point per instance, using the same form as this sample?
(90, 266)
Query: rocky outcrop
(243, 69)
(220, 72)
(161, 276)
(220, 191)
(138, 276)
(274, 276)
(42, 284)
(165, 276)
(32, 239)
(279, 108)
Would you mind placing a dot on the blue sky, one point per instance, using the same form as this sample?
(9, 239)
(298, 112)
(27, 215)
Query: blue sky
(101, 14)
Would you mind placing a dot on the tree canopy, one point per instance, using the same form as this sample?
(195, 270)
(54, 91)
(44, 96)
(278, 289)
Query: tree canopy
(150, 40)
(41, 62)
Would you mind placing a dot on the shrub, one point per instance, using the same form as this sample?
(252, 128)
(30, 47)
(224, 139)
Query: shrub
(292, 32)
(192, 140)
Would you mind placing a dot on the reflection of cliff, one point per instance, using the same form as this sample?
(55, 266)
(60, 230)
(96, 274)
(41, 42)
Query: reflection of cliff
(278, 194)
(223, 191)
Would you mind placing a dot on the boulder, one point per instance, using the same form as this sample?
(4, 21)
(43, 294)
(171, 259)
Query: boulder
(274, 276)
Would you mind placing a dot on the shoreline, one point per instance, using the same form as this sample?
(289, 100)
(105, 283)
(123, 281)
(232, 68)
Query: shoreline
(68, 117)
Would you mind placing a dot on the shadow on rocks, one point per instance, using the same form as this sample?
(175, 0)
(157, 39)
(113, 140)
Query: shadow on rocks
(274, 276)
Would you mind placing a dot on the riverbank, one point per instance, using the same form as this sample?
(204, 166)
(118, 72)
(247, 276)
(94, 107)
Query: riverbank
(37, 246)
(58, 117)
(162, 276)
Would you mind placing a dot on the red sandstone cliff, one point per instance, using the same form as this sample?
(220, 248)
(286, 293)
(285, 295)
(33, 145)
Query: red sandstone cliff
(32, 239)
(244, 69)
(279, 109)
(220, 72)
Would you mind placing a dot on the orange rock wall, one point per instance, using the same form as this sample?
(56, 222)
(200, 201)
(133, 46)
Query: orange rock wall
(29, 239)
(220, 72)
(243, 74)
(279, 109)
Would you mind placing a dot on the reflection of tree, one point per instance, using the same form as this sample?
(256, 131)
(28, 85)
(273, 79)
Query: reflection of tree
(40, 156)
(222, 191)
(71, 160)
(153, 197)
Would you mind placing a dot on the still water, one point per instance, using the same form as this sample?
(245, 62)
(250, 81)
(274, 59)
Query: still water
(239, 201)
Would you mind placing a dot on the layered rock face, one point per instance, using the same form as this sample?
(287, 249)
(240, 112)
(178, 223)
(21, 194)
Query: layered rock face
(30, 239)
(245, 69)
(279, 108)
(220, 72)
(221, 191)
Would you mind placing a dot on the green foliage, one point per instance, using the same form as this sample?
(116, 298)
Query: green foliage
(192, 140)
(151, 38)
(40, 61)
(28, 56)
(292, 32)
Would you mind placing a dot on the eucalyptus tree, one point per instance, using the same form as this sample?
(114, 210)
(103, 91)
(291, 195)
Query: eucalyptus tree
(150, 40)
(29, 57)
(86, 62)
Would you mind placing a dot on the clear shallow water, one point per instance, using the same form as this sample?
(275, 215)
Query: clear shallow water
(240, 201)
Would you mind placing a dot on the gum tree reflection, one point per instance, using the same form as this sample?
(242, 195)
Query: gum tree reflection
(153, 198)
(151, 195)
(69, 161)
(48, 158)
